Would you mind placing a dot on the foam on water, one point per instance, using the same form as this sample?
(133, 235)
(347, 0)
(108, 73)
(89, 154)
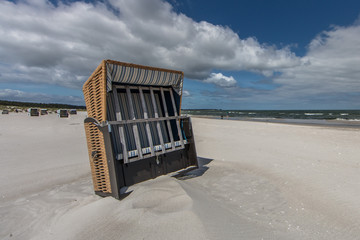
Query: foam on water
(313, 114)
(318, 117)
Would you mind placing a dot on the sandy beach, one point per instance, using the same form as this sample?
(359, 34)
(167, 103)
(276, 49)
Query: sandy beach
(256, 180)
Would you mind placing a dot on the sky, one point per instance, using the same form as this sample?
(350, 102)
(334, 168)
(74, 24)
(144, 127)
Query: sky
(244, 54)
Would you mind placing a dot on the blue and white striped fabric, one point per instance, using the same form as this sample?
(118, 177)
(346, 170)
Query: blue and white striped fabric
(140, 76)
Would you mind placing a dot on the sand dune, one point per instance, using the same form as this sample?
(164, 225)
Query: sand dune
(256, 181)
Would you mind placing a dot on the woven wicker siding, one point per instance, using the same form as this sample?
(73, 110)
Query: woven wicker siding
(95, 96)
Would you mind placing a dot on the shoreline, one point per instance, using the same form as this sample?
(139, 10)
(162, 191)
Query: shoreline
(302, 122)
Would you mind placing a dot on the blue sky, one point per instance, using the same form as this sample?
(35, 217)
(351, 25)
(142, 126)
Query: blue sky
(249, 54)
(279, 22)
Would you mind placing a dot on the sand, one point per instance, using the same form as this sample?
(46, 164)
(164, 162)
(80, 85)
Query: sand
(256, 181)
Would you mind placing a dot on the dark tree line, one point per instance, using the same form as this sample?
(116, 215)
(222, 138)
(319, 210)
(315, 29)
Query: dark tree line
(40, 105)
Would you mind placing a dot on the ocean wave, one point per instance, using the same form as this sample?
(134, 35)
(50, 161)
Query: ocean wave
(313, 114)
(345, 119)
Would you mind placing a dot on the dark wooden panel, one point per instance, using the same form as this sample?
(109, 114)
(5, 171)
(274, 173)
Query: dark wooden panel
(139, 171)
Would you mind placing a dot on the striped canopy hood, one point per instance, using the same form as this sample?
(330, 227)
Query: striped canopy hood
(142, 75)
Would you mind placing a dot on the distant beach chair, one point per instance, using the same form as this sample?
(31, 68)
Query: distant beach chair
(5, 111)
(135, 131)
(62, 113)
(72, 111)
(43, 111)
(33, 112)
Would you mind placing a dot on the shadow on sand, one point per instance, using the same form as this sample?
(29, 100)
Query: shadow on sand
(124, 192)
(194, 172)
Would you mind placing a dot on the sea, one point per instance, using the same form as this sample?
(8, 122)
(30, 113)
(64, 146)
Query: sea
(339, 118)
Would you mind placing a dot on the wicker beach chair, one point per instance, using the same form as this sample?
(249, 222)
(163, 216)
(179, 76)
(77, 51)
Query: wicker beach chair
(72, 111)
(62, 113)
(43, 111)
(33, 112)
(134, 129)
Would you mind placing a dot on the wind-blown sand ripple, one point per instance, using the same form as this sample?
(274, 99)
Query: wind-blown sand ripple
(149, 213)
(256, 181)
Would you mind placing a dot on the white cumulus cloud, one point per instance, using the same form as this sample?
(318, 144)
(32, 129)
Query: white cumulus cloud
(328, 77)
(186, 93)
(220, 80)
(62, 44)
(331, 65)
